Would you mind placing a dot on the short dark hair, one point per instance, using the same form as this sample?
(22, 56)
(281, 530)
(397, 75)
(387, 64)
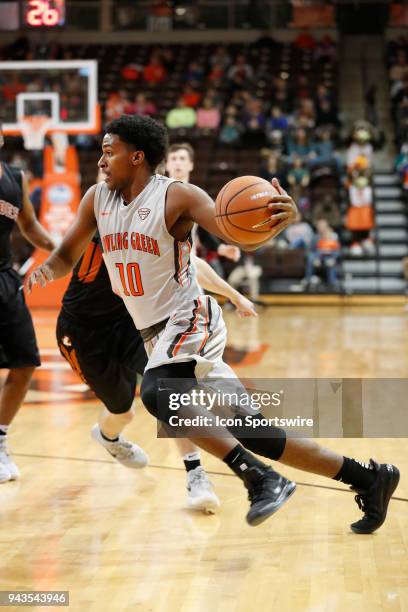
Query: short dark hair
(181, 145)
(143, 133)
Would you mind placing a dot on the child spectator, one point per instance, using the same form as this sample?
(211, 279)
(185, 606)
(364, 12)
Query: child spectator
(208, 115)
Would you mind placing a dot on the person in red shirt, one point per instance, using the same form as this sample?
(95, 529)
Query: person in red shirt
(154, 73)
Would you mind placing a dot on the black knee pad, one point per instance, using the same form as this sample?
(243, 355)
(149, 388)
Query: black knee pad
(157, 386)
(269, 442)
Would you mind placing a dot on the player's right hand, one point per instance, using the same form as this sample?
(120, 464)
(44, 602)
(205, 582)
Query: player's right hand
(39, 276)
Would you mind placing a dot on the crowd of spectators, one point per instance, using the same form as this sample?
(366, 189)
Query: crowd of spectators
(398, 75)
(287, 118)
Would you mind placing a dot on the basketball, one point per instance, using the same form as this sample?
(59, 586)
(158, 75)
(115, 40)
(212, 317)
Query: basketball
(242, 207)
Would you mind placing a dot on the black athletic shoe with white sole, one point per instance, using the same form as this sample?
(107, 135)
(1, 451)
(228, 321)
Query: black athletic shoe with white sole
(267, 492)
(374, 501)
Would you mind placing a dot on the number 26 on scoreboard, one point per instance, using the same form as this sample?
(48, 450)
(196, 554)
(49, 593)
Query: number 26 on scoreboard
(131, 279)
(44, 13)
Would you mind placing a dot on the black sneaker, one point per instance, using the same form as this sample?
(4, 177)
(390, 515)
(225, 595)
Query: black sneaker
(267, 492)
(374, 501)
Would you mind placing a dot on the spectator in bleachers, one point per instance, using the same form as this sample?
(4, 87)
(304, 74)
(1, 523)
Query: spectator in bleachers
(208, 115)
(141, 106)
(216, 74)
(303, 87)
(230, 133)
(300, 234)
(399, 69)
(280, 95)
(12, 87)
(181, 116)
(325, 50)
(272, 166)
(195, 72)
(401, 165)
(222, 57)
(190, 96)
(304, 41)
(326, 114)
(325, 253)
(299, 145)
(298, 177)
(324, 151)
(131, 72)
(276, 121)
(254, 123)
(115, 105)
(305, 116)
(154, 72)
(241, 73)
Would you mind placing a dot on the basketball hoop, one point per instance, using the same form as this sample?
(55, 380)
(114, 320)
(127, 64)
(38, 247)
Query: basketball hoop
(33, 129)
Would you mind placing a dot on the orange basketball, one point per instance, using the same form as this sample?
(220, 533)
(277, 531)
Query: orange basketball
(241, 205)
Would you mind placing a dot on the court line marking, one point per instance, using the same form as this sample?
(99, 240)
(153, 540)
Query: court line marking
(181, 469)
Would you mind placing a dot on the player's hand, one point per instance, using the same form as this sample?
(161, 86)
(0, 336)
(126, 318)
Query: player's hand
(283, 209)
(39, 276)
(244, 307)
(229, 251)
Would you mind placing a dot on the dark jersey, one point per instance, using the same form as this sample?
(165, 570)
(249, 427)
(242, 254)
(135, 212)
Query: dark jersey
(89, 295)
(11, 203)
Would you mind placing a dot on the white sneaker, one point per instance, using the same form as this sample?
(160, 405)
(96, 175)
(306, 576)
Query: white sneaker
(200, 491)
(7, 466)
(127, 453)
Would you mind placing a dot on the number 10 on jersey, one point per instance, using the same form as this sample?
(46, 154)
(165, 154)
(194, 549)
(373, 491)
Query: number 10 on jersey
(130, 279)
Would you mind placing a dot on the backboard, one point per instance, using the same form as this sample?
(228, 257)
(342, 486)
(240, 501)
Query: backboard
(64, 90)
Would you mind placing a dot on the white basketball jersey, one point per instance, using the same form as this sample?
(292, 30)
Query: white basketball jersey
(148, 268)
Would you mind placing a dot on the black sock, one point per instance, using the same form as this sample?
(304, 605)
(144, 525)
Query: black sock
(108, 439)
(191, 465)
(358, 475)
(192, 460)
(239, 460)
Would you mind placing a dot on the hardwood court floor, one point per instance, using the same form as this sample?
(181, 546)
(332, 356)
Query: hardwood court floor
(122, 540)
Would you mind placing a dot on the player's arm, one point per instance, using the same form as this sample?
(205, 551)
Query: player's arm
(208, 279)
(63, 259)
(29, 225)
(190, 203)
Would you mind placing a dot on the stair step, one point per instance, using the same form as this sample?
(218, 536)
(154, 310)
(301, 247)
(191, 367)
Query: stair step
(374, 284)
(390, 206)
(394, 234)
(386, 179)
(395, 250)
(391, 219)
(387, 192)
(363, 267)
(392, 267)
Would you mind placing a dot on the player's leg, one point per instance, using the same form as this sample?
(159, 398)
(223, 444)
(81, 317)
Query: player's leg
(374, 483)
(95, 354)
(19, 354)
(200, 490)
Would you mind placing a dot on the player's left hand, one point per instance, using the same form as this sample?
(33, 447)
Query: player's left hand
(282, 207)
(39, 276)
(229, 251)
(244, 307)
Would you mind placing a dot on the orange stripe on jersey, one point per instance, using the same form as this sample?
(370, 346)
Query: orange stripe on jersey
(188, 333)
(206, 334)
(91, 263)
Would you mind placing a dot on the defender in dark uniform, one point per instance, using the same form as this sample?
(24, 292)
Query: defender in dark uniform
(18, 346)
(97, 336)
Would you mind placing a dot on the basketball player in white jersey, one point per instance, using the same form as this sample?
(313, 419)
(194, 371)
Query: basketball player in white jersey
(145, 222)
(179, 165)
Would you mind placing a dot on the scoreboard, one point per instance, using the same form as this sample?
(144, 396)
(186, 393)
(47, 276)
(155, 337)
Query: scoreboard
(31, 14)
